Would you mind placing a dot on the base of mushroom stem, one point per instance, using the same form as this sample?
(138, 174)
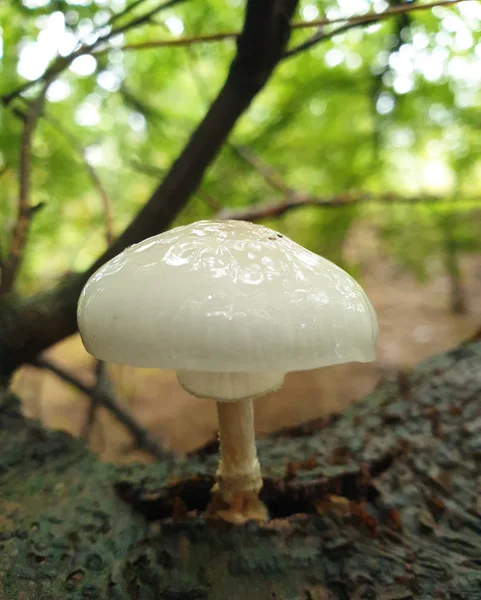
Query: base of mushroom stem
(244, 506)
(236, 483)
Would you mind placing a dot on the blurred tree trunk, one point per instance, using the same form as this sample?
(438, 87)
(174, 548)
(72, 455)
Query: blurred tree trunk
(383, 502)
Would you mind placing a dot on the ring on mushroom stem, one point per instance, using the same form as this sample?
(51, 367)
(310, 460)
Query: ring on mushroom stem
(231, 307)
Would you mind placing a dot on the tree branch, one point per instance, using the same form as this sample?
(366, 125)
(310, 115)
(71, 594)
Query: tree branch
(42, 320)
(361, 20)
(19, 236)
(179, 41)
(294, 199)
(277, 209)
(99, 396)
(12, 262)
(367, 18)
(406, 7)
(299, 200)
(321, 36)
(62, 62)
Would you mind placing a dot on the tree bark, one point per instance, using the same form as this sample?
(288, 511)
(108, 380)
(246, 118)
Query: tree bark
(261, 45)
(382, 503)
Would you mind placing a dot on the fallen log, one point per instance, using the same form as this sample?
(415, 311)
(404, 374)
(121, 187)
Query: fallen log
(381, 503)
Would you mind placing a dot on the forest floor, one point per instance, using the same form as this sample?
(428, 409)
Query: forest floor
(414, 319)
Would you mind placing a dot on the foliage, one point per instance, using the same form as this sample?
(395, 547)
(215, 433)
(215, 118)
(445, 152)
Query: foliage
(389, 107)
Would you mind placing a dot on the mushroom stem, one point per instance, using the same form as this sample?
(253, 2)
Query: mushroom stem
(239, 470)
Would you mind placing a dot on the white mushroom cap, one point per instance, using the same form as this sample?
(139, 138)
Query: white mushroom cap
(225, 297)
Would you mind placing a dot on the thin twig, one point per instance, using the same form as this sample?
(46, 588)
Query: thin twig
(80, 151)
(92, 173)
(129, 8)
(142, 437)
(57, 67)
(89, 420)
(208, 199)
(142, 20)
(106, 202)
(270, 176)
(25, 211)
(146, 169)
(180, 41)
(370, 17)
(153, 171)
(102, 385)
(320, 36)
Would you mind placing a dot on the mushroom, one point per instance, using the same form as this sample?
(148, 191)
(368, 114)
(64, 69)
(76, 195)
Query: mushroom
(231, 307)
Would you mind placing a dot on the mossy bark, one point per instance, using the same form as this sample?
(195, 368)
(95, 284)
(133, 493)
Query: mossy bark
(382, 503)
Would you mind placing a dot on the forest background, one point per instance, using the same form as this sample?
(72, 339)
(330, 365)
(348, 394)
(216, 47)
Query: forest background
(364, 146)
